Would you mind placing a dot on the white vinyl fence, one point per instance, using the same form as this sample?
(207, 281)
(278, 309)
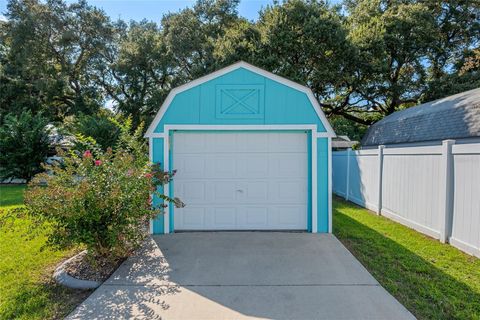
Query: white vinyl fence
(433, 189)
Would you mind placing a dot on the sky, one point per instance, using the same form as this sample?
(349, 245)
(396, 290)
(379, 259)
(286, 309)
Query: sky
(154, 9)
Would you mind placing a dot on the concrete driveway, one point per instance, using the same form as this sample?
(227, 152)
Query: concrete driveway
(238, 275)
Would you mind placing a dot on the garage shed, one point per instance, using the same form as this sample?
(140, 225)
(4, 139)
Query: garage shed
(252, 151)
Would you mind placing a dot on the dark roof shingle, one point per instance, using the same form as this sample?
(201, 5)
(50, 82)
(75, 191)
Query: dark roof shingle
(453, 117)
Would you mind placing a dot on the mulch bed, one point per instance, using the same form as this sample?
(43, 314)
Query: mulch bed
(84, 267)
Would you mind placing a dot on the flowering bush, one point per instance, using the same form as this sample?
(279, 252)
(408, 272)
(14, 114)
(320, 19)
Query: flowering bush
(101, 200)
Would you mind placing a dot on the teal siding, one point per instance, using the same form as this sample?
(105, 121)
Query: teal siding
(322, 184)
(279, 104)
(243, 97)
(157, 152)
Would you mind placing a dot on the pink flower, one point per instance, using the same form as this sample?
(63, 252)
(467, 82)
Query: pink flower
(98, 162)
(129, 172)
(148, 175)
(87, 154)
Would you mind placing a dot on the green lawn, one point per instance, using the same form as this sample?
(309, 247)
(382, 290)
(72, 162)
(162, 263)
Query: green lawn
(431, 279)
(11, 196)
(26, 288)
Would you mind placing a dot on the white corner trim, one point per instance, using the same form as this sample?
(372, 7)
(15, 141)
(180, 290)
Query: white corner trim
(157, 135)
(241, 64)
(314, 184)
(324, 135)
(330, 216)
(166, 187)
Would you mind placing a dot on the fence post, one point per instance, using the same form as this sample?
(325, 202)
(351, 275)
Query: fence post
(348, 173)
(446, 207)
(380, 178)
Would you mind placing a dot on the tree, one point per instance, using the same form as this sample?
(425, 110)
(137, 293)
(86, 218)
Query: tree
(392, 40)
(99, 126)
(407, 49)
(24, 145)
(137, 76)
(146, 60)
(466, 76)
(241, 41)
(307, 42)
(52, 50)
(457, 28)
(190, 36)
(349, 128)
(363, 59)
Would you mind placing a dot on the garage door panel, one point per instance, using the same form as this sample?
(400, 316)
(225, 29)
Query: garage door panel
(224, 191)
(224, 217)
(255, 191)
(189, 143)
(287, 142)
(256, 217)
(222, 143)
(253, 142)
(220, 167)
(253, 166)
(288, 215)
(288, 191)
(195, 191)
(192, 218)
(250, 186)
(190, 166)
(287, 165)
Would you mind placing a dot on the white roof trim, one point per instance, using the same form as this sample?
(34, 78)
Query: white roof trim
(247, 66)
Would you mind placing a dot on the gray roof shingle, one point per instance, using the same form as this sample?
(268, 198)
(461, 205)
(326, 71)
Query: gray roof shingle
(453, 117)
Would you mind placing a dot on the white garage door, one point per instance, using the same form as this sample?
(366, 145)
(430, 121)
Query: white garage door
(241, 181)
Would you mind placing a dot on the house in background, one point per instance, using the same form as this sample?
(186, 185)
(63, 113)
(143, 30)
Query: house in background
(252, 151)
(421, 167)
(342, 143)
(455, 117)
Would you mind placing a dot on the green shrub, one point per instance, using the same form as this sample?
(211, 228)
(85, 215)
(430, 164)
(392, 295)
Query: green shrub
(24, 145)
(99, 199)
(98, 126)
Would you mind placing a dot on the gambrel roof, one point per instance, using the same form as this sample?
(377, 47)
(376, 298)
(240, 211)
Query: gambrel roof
(168, 101)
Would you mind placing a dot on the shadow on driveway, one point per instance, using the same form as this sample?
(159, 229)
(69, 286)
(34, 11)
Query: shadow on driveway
(233, 275)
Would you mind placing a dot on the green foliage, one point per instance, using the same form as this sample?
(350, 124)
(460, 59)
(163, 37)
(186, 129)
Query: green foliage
(138, 75)
(466, 78)
(451, 84)
(24, 145)
(431, 279)
(53, 51)
(192, 34)
(407, 48)
(306, 42)
(99, 126)
(240, 42)
(363, 59)
(99, 199)
(349, 128)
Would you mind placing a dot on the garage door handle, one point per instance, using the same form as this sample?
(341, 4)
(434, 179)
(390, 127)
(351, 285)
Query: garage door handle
(240, 190)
